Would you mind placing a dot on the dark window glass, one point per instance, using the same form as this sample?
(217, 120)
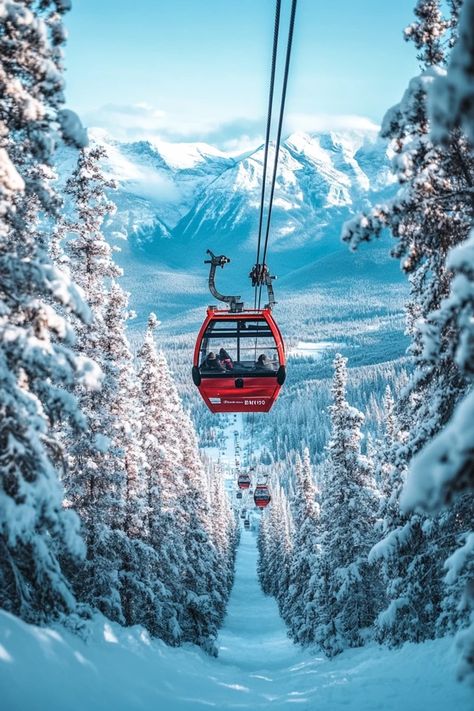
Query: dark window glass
(240, 348)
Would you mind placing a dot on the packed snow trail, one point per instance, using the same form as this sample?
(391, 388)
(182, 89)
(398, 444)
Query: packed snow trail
(253, 634)
(258, 667)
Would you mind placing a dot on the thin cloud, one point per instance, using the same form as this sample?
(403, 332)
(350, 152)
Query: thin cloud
(141, 121)
(315, 123)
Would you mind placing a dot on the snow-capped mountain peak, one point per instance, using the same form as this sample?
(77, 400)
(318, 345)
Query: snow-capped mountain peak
(182, 156)
(194, 191)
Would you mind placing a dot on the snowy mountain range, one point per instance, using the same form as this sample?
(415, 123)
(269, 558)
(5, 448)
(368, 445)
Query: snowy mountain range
(174, 201)
(196, 196)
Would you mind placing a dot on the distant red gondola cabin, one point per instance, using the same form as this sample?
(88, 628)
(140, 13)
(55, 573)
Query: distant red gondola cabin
(243, 481)
(261, 496)
(239, 360)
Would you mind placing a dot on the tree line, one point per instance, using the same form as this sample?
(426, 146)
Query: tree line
(105, 503)
(379, 544)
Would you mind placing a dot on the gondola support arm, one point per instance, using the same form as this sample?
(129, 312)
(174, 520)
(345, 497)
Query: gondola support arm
(220, 261)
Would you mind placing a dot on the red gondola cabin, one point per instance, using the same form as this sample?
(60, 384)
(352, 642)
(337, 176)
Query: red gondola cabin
(243, 481)
(239, 360)
(261, 496)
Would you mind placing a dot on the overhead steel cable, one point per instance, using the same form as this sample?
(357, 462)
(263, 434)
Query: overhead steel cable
(280, 121)
(278, 137)
(276, 32)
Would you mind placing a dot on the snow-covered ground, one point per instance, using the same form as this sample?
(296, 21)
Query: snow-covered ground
(258, 667)
(311, 349)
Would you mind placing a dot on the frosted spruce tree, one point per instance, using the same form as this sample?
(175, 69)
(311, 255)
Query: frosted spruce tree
(345, 591)
(193, 570)
(224, 531)
(160, 443)
(388, 483)
(205, 581)
(299, 608)
(430, 214)
(141, 589)
(429, 217)
(36, 362)
(442, 474)
(96, 479)
(275, 546)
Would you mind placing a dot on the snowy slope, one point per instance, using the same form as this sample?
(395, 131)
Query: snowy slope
(258, 667)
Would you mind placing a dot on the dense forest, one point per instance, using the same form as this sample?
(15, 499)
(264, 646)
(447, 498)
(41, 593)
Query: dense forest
(377, 543)
(106, 501)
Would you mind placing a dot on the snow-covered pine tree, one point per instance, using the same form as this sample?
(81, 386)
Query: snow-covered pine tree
(224, 527)
(140, 586)
(36, 362)
(344, 594)
(299, 609)
(285, 543)
(263, 540)
(275, 544)
(386, 478)
(265, 545)
(96, 480)
(442, 474)
(390, 435)
(429, 217)
(125, 407)
(451, 100)
(204, 584)
(160, 443)
(194, 571)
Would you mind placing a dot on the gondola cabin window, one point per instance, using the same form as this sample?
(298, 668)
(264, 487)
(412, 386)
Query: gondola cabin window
(239, 347)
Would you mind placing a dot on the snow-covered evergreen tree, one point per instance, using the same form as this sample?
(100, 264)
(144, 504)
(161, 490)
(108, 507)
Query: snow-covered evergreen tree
(430, 218)
(429, 215)
(451, 100)
(452, 95)
(159, 442)
(36, 362)
(345, 591)
(299, 608)
(140, 586)
(205, 577)
(204, 595)
(224, 531)
(442, 474)
(96, 480)
(194, 561)
(275, 547)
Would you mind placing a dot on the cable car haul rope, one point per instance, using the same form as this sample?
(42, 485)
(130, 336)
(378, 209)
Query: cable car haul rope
(239, 359)
(260, 268)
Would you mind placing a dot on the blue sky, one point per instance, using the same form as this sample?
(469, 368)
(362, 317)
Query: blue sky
(199, 69)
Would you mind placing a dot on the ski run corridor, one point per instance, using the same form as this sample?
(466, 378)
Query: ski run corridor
(258, 666)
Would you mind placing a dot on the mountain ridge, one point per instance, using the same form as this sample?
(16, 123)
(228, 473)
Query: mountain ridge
(193, 193)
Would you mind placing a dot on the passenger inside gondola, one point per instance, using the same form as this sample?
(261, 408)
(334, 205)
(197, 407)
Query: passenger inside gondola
(264, 362)
(223, 362)
(225, 359)
(212, 363)
(238, 348)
